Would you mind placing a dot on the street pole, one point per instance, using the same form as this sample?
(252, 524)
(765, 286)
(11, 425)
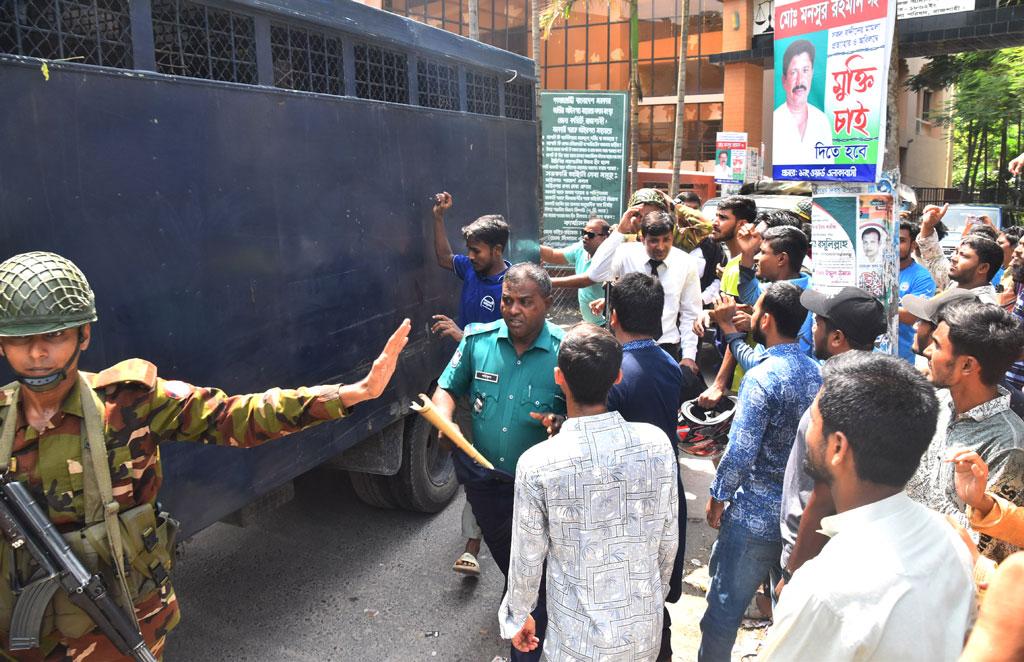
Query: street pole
(535, 50)
(474, 20)
(891, 159)
(677, 145)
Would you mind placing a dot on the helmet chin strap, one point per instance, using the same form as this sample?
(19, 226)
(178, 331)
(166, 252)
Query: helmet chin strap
(52, 380)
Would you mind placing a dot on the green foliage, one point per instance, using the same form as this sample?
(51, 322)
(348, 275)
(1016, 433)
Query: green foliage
(987, 102)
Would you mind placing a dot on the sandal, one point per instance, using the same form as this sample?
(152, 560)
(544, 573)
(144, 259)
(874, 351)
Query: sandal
(467, 565)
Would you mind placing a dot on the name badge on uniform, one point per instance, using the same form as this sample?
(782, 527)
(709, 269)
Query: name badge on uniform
(486, 376)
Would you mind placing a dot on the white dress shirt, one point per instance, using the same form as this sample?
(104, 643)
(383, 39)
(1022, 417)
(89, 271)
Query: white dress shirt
(679, 277)
(893, 583)
(789, 147)
(598, 501)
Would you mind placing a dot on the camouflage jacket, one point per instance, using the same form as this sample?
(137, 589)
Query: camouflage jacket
(142, 410)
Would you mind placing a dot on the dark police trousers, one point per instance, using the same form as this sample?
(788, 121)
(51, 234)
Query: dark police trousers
(492, 499)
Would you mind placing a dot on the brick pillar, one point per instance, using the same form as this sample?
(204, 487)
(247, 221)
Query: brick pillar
(743, 80)
(744, 103)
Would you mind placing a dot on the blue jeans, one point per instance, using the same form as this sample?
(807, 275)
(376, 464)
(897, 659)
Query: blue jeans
(740, 562)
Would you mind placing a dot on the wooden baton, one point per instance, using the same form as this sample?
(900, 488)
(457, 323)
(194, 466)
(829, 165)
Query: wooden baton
(449, 429)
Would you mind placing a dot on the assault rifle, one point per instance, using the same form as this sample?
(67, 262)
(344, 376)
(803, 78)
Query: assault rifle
(24, 523)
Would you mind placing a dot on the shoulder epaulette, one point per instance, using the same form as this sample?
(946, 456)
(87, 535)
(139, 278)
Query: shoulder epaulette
(480, 327)
(6, 394)
(136, 371)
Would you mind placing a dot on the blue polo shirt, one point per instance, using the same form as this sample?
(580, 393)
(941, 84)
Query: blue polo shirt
(915, 279)
(481, 295)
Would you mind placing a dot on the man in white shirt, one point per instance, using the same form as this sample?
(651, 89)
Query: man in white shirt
(894, 582)
(678, 273)
(799, 126)
(598, 504)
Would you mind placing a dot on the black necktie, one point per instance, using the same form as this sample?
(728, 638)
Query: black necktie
(654, 266)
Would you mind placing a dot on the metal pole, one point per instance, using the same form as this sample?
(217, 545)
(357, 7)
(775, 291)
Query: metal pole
(474, 20)
(535, 34)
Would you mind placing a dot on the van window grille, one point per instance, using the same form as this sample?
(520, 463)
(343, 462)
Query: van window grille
(519, 102)
(381, 74)
(306, 60)
(438, 85)
(194, 40)
(86, 31)
(481, 93)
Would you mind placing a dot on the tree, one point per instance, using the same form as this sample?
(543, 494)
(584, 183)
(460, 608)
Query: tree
(984, 117)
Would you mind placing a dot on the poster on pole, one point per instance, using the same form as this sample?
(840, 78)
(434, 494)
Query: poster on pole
(855, 243)
(730, 157)
(584, 140)
(831, 81)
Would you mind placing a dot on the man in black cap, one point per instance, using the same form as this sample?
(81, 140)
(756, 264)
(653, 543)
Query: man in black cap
(851, 319)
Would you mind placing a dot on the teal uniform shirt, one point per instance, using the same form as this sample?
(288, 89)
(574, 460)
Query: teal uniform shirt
(503, 389)
(577, 256)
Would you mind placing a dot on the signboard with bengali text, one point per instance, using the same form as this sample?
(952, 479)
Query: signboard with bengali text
(831, 73)
(584, 141)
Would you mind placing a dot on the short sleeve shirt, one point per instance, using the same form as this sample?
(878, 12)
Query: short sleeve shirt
(578, 257)
(915, 279)
(503, 389)
(481, 295)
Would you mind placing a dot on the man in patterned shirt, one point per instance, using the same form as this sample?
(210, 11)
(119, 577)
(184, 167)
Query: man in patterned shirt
(598, 503)
(773, 396)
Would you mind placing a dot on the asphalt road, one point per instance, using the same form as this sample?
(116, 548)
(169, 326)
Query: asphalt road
(326, 577)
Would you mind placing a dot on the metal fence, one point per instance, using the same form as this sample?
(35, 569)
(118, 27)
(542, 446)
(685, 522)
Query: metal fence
(565, 311)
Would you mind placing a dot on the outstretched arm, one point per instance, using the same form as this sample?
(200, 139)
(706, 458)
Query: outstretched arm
(442, 248)
(182, 412)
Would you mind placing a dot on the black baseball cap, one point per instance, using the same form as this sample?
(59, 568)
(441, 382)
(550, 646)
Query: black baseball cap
(927, 308)
(851, 310)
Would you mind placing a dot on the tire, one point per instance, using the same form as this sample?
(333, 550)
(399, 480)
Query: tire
(372, 490)
(426, 482)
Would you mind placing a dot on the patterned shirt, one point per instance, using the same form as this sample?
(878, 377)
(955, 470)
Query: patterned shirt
(994, 432)
(599, 503)
(934, 260)
(772, 398)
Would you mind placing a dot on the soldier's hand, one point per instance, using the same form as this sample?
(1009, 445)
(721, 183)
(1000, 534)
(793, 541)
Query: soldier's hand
(551, 422)
(442, 203)
(930, 217)
(1016, 166)
(446, 326)
(383, 368)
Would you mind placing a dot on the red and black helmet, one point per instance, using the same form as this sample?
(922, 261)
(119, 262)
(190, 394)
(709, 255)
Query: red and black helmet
(703, 432)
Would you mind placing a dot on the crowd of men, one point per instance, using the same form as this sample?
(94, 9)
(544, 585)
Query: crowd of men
(862, 500)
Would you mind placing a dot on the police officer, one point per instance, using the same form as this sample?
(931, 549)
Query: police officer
(46, 311)
(506, 368)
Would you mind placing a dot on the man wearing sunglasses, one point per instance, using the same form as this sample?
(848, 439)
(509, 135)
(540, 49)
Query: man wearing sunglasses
(579, 255)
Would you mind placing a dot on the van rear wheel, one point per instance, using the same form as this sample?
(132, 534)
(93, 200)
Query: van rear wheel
(426, 482)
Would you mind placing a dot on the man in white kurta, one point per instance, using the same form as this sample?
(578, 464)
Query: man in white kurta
(894, 582)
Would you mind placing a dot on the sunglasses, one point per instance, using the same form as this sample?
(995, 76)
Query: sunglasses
(591, 235)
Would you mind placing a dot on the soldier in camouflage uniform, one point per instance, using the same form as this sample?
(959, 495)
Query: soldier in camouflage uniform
(46, 307)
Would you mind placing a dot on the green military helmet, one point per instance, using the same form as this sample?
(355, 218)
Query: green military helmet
(42, 293)
(648, 196)
(803, 209)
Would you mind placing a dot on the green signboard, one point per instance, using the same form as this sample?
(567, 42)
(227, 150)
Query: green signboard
(584, 147)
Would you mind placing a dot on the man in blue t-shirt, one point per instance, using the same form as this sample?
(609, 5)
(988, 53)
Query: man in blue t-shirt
(649, 389)
(914, 279)
(482, 272)
(579, 255)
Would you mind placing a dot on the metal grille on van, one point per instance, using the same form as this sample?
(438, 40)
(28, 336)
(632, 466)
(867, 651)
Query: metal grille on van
(519, 102)
(381, 74)
(306, 60)
(438, 84)
(194, 40)
(482, 93)
(84, 31)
